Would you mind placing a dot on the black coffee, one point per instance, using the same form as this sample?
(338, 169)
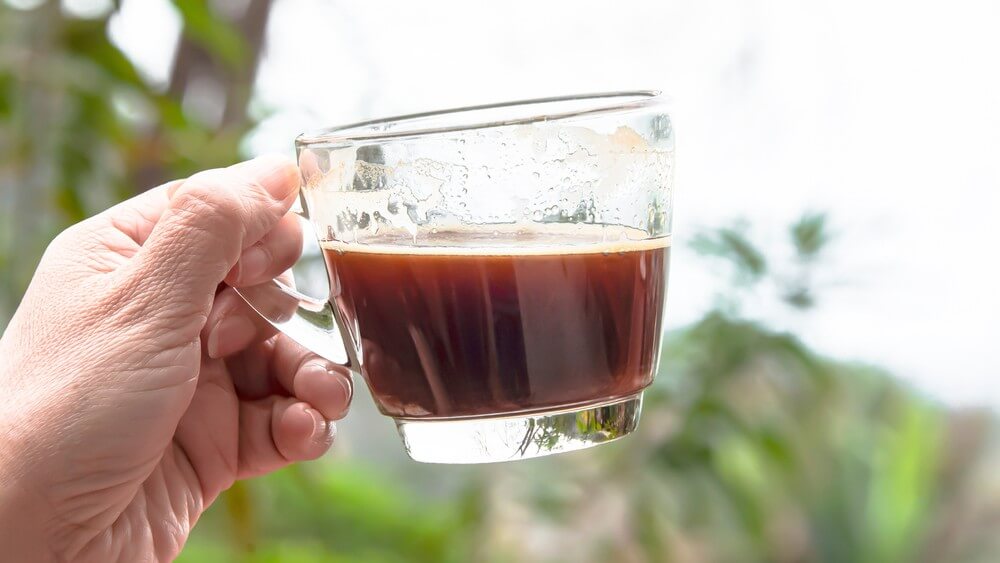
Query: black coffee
(523, 323)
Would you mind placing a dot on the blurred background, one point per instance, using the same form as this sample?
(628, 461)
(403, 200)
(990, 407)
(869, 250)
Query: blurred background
(829, 383)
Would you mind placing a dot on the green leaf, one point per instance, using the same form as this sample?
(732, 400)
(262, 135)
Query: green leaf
(731, 244)
(216, 35)
(901, 497)
(6, 94)
(88, 39)
(810, 236)
(799, 297)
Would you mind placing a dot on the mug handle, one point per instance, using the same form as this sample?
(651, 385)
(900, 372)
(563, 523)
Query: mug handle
(307, 320)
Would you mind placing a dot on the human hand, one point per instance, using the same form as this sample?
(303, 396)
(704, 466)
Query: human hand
(138, 386)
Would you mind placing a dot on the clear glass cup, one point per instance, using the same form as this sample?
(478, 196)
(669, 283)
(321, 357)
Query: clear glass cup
(497, 273)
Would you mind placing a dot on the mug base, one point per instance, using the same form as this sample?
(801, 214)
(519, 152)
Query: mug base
(513, 437)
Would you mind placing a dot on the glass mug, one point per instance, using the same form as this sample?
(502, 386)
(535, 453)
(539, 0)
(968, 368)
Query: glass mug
(497, 273)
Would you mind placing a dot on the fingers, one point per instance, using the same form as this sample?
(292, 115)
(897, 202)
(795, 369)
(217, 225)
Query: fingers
(232, 325)
(251, 374)
(280, 366)
(277, 431)
(311, 378)
(210, 219)
(266, 259)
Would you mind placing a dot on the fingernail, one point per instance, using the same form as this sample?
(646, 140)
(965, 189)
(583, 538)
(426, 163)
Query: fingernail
(229, 335)
(348, 386)
(254, 262)
(321, 428)
(277, 174)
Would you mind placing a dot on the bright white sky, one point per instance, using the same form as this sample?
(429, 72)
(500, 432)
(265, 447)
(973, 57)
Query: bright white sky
(886, 114)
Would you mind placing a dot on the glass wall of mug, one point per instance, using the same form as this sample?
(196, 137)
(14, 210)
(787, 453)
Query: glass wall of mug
(499, 273)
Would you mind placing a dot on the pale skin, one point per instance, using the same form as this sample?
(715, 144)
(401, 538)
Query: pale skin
(136, 384)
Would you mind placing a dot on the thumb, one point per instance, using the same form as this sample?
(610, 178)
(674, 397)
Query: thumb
(209, 220)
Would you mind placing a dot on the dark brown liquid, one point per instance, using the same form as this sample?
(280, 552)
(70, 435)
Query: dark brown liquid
(450, 331)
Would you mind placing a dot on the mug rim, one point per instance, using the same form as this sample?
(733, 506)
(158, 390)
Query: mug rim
(369, 130)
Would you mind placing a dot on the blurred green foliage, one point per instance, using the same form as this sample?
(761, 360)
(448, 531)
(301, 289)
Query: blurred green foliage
(752, 447)
(82, 129)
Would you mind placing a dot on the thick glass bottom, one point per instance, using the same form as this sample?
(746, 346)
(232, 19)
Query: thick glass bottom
(509, 438)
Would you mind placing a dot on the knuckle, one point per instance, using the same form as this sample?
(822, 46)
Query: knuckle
(225, 195)
(206, 193)
(71, 243)
(255, 189)
(67, 237)
(265, 210)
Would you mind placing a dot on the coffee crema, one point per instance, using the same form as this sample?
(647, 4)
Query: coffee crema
(465, 324)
